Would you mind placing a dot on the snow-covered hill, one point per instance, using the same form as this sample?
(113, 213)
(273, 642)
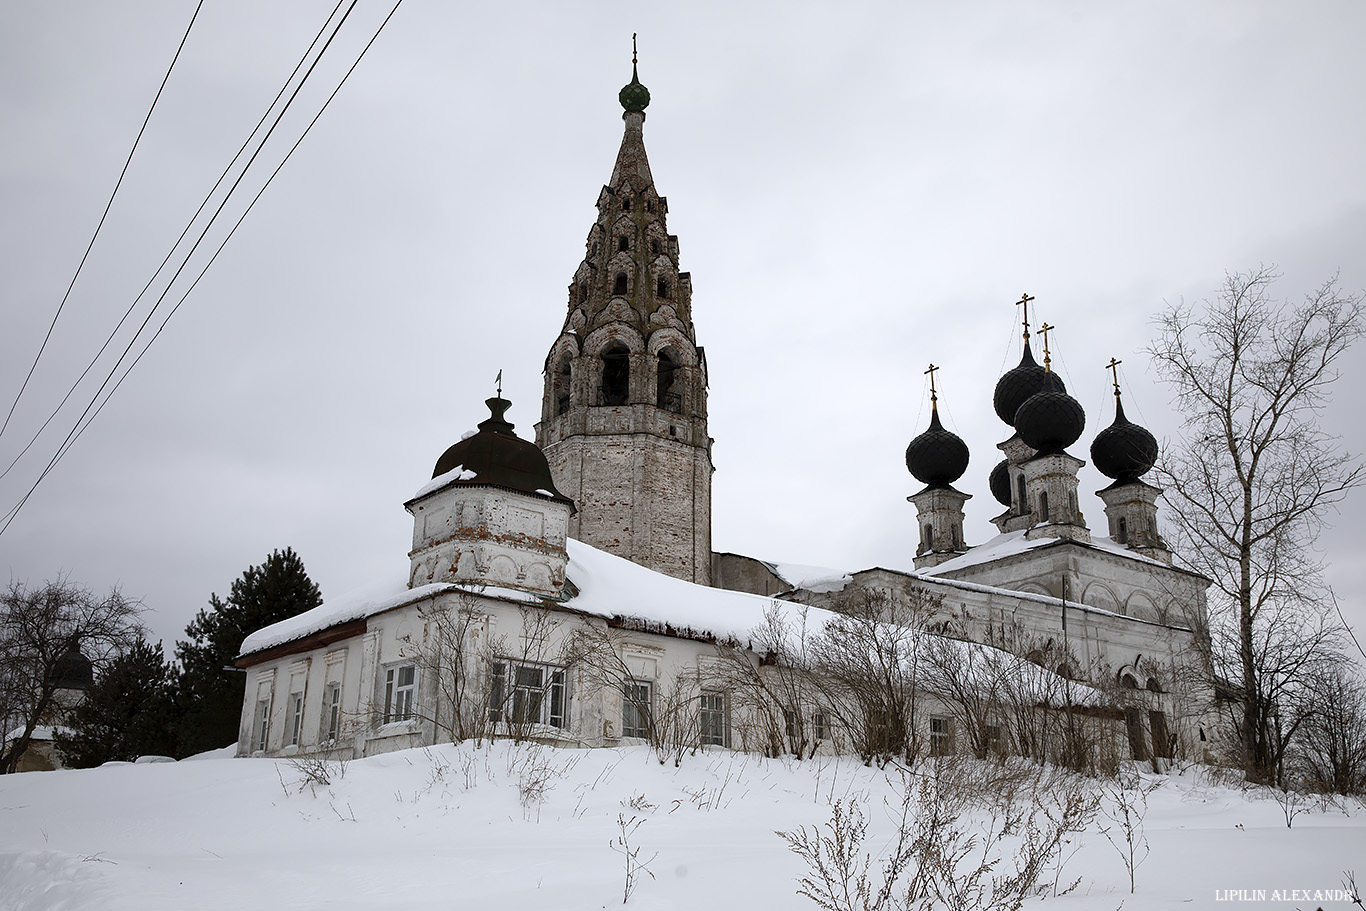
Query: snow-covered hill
(524, 827)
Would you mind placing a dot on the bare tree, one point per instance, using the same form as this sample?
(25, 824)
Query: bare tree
(1252, 476)
(869, 654)
(39, 627)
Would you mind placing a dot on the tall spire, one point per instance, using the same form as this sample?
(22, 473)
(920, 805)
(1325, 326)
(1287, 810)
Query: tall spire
(632, 169)
(624, 417)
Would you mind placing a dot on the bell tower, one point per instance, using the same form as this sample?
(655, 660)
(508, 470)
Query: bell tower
(624, 415)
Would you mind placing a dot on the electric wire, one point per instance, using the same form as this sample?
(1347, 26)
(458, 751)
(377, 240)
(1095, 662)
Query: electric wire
(81, 428)
(107, 206)
(175, 246)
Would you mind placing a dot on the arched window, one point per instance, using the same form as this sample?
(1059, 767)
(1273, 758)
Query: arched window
(668, 382)
(929, 536)
(662, 287)
(1123, 531)
(1043, 505)
(1022, 501)
(562, 378)
(626, 204)
(1128, 682)
(619, 284)
(616, 375)
(1153, 686)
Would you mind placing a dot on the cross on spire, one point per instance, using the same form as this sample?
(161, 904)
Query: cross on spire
(933, 397)
(1113, 367)
(1044, 330)
(1025, 299)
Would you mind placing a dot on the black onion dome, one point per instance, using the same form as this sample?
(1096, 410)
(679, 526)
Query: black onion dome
(72, 671)
(1124, 450)
(937, 457)
(1020, 383)
(1050, 421)
(497, 457)
(1000, 482)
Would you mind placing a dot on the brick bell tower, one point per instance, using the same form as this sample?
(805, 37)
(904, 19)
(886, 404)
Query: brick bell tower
(624, 417)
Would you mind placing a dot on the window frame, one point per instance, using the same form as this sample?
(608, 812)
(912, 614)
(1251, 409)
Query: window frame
(332, 712)
(547, 700)
(637, 713)
(713, 719)
(941, 735)
(400, 699)
(262, 724)
(296, 722)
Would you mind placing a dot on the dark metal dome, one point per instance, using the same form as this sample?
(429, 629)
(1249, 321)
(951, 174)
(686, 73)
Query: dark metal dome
(1020, 383)
(1124, 450)
(72, 671)
(1000, 482)
(937, 457)
(1050, 421)
(495, 456)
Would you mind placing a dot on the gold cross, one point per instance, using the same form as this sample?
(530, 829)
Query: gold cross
(1044, 330)
(1114, 371)
(933, 398)
(1025, 299)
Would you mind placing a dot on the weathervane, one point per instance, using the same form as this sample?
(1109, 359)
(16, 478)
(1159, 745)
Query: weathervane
(1044, 330)
(498, 381)
(933, 398)
(1025, 299)
(1114, 371)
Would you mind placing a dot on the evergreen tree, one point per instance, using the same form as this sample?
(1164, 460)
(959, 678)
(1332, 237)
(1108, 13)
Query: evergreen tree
(209, 690)
(128, 712)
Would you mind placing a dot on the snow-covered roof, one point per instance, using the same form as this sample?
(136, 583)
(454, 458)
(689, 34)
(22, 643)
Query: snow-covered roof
(1015, 542)
(811, 578)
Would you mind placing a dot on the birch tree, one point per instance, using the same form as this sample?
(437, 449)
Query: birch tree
(1251, 479)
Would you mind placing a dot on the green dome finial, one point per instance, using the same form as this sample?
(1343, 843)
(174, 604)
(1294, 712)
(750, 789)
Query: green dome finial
(634, 96)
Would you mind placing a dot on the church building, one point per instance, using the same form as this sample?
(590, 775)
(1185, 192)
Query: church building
(567, 589)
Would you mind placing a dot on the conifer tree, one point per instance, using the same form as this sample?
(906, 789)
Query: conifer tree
(209, 690)
(128, 712)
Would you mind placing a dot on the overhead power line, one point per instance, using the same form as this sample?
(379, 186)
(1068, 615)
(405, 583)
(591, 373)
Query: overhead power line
(107, 206)
(113, 333)
(80, 428)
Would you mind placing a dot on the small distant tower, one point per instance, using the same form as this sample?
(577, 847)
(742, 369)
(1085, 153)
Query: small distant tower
(937, 458)
(491, 514)
(1125, 452)
(1038, 479)
(624, 416)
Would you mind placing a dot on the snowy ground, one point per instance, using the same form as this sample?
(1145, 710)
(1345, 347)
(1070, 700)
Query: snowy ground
(456, 827)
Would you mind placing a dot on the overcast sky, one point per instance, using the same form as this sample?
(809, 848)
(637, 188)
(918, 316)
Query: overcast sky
(858, 190)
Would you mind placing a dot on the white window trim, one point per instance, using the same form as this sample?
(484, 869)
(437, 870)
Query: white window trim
(399, 699)
(550, 697)
(713, 712)
(642, 710)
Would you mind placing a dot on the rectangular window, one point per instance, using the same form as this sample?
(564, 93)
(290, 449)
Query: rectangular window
(527, 694)
(296, 708)
(820, 726)
(941, 736)
(994, 742)
(789, 723)
(400, 688)
(262, 723)
(713, 722)
(635, 710)
(332, 712)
